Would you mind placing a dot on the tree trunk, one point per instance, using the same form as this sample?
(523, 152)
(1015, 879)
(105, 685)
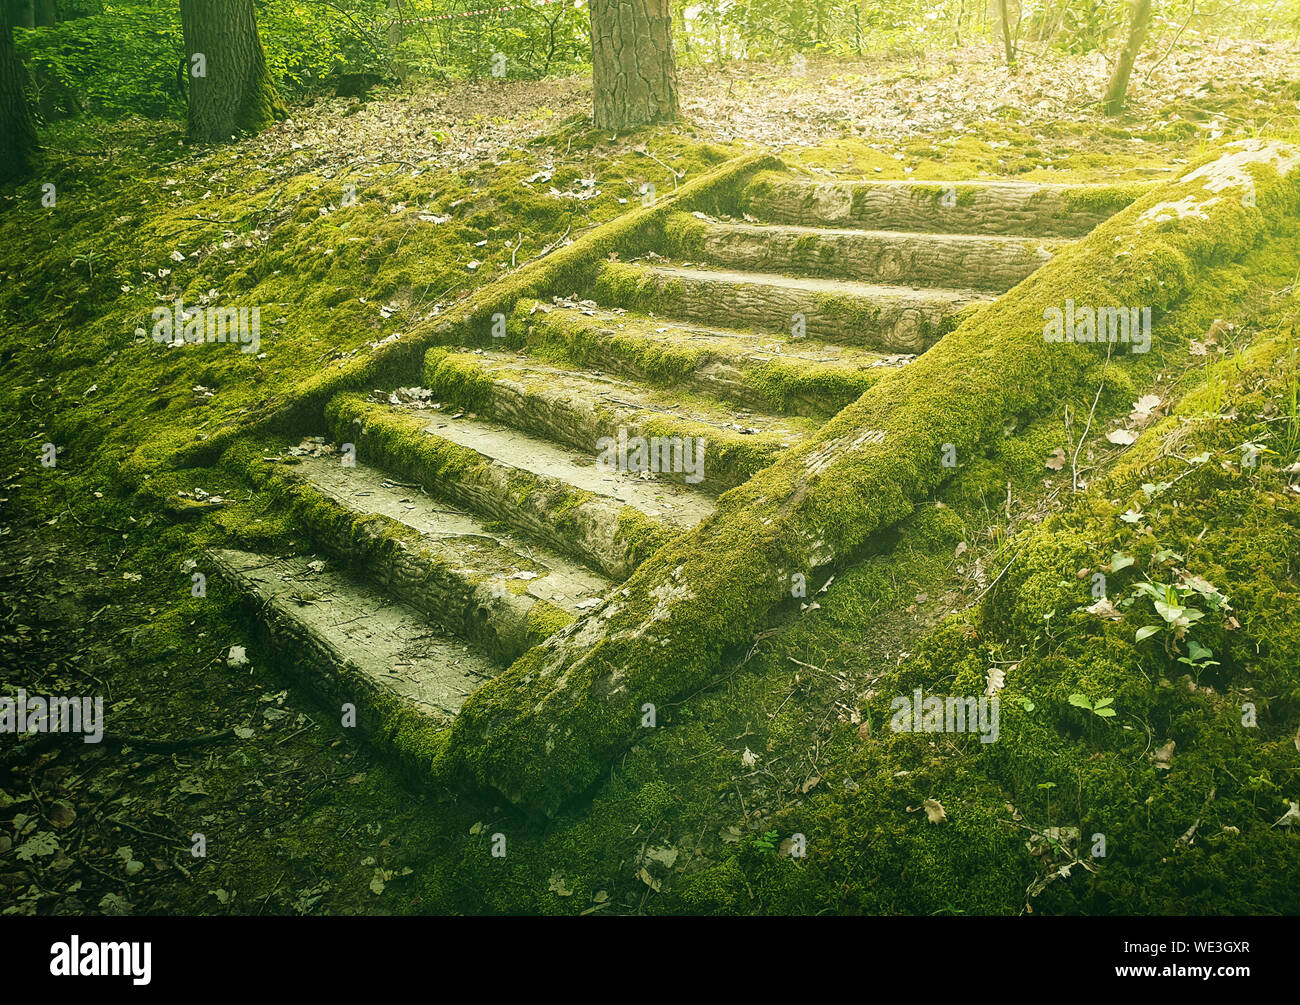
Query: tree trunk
(634, 76)
(22, 13)
(1005, 17)
(45, 13)
(231, 90)
(1118, 86)
(17, 130)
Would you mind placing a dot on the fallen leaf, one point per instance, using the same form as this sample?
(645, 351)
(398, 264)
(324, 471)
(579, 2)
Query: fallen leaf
(934, 811)
(665, 856)
(1103, 608)
(62, 815)
(558, 887)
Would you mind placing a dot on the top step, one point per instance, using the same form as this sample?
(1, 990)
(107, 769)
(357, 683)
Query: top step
(959, 207)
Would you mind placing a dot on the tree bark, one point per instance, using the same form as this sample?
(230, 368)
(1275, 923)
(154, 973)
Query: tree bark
(46, 14)
(22, 13)
(1118, 86)
(235, 92)
(17, 130)
(1005, 16)
(634, 75)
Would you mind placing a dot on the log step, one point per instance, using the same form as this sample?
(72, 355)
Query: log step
(890, 318)
(956, 261)
(804, 377)
(351, 644)
(577, 409)
(487, 587)
(962, 207)
(609, 520)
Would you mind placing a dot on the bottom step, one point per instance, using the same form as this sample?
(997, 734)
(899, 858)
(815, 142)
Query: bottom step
(353, 646)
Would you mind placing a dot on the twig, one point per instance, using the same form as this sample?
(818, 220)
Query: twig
(1074, 461)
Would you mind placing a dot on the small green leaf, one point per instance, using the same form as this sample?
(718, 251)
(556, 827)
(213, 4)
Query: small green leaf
(1120, 561)
(1145, 632)
(1170, 612)
(1105, 713)
(1080, 701)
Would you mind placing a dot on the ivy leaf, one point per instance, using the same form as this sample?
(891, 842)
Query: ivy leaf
(1145, 632)
(1120, 561)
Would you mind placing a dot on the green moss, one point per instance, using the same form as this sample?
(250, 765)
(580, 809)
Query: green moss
(545, 619)
(684, 235)
(456, 377)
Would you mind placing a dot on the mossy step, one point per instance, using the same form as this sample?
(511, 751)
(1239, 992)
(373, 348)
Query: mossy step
(606, 519)
(354, 646)
(959, 207)
(797, 376)
(486, 587)
(959, 261)
(892, 318)
(579, 408)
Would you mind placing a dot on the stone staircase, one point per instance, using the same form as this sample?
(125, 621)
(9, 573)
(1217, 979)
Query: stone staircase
(461, 515)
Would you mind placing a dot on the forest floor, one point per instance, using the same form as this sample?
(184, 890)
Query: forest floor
(296, 816)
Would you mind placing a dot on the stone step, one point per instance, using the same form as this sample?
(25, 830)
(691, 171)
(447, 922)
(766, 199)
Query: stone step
(962, 207)
(609, 520)
(351, 645)
(891, 318)
(577, 409)
(489, 588)
(957, 261)
(774, 371)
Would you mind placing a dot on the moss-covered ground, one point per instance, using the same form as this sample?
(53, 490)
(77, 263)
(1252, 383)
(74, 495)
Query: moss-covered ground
(994, 573)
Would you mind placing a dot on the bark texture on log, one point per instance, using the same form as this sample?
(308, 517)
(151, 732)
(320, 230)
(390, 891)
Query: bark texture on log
(1013, 208)
(892, 319)
(935, 260)
(235, 93)
(634, 75)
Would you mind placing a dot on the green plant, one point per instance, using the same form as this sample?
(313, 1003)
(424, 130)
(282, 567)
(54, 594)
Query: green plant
(1100, 707)
(1175, 603)
(767, 843)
